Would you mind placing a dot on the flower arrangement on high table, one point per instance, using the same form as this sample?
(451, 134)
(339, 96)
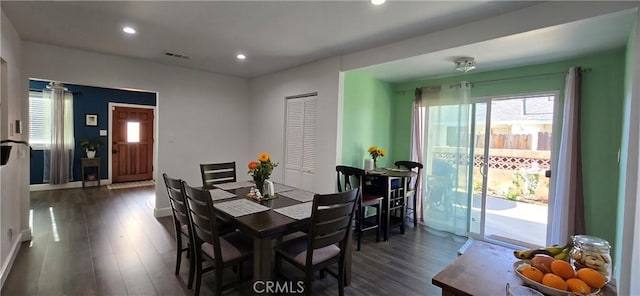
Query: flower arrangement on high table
(376, 152)
(261, 170)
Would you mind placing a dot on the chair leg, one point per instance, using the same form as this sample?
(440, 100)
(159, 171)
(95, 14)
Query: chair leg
(379, 221)
(192, 265)
(178, 252)
(218, 272)
(240, 271)
(403, 214)
(341, 276)
(278, 264)
(361, 222)
(198, 272)
(307, 281)
(415, 209)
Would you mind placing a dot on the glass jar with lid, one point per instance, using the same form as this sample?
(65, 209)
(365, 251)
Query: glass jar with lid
(593, 252)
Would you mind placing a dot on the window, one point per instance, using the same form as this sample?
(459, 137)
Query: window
(40, 121)
(133, 132)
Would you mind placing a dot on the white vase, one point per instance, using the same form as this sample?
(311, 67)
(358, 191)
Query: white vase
(91, 154)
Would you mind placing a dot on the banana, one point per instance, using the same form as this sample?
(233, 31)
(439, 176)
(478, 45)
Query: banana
(564, 255)
(550, 251)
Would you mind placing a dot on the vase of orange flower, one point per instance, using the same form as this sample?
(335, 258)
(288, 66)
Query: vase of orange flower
(261, 170)
(376, 152)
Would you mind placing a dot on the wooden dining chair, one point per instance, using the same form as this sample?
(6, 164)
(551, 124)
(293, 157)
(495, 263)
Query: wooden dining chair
(181, 224)
(349, 178)
(220, 251)
(326, 241)
(217, 173)
(413, 184)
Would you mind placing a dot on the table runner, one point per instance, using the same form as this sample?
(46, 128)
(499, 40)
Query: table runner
(218, 194)
(240, 207)
(235, 185)
(298, 212)
(299, 195)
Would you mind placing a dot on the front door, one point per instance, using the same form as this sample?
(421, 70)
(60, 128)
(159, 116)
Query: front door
(132, 146)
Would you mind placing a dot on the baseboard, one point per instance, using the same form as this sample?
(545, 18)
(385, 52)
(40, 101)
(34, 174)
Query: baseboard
(26, 235)
(13, 253)
(163, 212)
(74, 184)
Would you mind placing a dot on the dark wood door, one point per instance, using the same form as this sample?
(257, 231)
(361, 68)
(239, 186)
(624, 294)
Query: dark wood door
(132, 149)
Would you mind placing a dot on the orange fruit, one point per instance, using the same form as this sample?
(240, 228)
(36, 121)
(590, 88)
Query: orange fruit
(578, 286)
(554, 281)
(592, 277)
(562, 269)
(532, 273)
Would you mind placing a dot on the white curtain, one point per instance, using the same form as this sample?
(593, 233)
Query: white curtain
(567, 202)
(417, 147)
(447, 157)
(58, 156)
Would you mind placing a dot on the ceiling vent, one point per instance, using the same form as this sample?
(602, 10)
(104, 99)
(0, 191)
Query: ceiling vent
(176, 55)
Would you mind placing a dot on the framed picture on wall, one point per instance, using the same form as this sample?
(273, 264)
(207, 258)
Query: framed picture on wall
(91, 119)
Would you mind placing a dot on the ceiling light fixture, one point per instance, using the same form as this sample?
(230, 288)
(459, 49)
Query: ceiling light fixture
(377, 2)
(465, 64)
(129, 30)
(241, 57)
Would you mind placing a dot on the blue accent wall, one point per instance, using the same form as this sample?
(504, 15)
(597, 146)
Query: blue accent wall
(89, 100)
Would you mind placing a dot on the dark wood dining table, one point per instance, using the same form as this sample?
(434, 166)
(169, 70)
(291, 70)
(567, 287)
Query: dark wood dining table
(394, 196)
(266, 226)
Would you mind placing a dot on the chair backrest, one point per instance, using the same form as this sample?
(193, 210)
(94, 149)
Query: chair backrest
(331, 218)
(203, 217)
(348, 176)
(412, 166)
(177, 201)
(216, 173)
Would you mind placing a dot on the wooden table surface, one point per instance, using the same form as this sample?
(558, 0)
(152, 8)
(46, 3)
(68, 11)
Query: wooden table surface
(484, 269)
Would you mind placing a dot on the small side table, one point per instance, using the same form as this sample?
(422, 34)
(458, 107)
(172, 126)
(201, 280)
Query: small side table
(90, 163)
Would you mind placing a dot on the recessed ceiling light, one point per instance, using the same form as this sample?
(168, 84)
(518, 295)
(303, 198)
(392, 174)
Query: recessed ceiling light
(241, 57)
(129, 30)
(377, 2)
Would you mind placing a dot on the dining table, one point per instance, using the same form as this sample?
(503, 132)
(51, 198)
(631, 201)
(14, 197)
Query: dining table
(267, 220)
(393, 187)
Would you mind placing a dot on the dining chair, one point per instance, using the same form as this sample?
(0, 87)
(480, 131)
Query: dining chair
(220, 251)
(413, 185)
(326, 241)
(217, 173)
(349, 178)
(181, 224)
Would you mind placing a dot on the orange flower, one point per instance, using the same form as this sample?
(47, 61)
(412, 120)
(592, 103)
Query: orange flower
(253, 165)
(372, 149)
(264, 157)
(382, 152)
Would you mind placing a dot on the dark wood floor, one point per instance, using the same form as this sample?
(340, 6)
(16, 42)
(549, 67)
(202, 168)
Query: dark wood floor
(106, 242)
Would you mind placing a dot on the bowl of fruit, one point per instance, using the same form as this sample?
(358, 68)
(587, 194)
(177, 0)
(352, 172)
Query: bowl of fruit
(551, 273)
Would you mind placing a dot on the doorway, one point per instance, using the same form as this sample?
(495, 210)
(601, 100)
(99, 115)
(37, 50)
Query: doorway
(486, 164)
(131, 142)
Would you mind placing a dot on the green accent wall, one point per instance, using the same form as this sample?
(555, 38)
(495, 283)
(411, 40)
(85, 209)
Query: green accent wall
(367, 119)
(602, 99)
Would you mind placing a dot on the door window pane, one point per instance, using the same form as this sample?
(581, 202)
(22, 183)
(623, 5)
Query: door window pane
(133, 132)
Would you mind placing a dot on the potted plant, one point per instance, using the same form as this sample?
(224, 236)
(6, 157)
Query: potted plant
(91, 146)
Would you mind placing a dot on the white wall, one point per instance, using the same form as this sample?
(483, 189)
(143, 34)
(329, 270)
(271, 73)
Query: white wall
(14, 190)
(199, 116)
(267, 116)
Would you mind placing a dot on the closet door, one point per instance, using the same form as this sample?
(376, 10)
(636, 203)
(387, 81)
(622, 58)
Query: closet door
(300, 137)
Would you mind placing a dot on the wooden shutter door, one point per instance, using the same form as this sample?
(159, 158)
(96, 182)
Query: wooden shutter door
(300, 142)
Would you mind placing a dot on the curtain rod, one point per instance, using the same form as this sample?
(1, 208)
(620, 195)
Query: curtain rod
(527, 76)
(514, 78)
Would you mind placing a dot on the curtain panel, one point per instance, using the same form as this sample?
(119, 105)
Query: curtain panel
(567, 210)
(58, 162)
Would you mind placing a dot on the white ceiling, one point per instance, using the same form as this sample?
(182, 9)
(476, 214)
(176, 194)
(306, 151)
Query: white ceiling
(275, 35)
(534, 47)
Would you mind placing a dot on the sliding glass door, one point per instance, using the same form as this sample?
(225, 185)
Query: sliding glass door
(485, 168)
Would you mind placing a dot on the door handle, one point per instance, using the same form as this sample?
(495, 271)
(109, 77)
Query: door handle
(483, 169)
(114, 151)
(547, 173)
